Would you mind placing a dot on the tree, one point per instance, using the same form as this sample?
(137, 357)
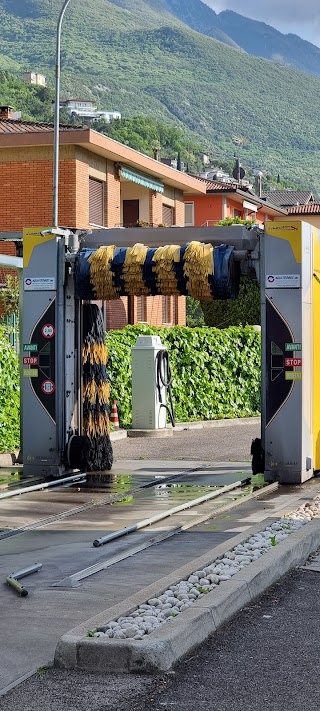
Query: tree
(9, 298)
(245, 309)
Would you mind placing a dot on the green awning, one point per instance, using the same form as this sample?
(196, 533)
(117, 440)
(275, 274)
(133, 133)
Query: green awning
(146, 180)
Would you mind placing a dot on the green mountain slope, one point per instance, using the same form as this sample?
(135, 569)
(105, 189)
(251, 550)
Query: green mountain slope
(136, 57)
(252, 36)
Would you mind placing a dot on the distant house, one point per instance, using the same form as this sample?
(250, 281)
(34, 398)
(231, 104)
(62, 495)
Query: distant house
(307, 213)
(289, 198)
(103, 183)
(225, 199)
(34, 78)
(87, 110)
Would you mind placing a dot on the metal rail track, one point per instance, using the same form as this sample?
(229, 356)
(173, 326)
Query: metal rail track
(104, 501)
(74, 580)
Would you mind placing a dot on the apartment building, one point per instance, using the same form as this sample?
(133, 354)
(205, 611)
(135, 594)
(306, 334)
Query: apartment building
(102, 183)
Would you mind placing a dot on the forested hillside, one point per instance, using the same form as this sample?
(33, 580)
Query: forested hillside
(134, 56)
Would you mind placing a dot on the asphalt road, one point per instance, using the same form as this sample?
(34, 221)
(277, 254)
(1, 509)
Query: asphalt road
(265, 659)
(221, 444)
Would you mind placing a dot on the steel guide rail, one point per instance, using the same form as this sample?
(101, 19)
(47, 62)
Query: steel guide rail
(94, 503)
(75, 579)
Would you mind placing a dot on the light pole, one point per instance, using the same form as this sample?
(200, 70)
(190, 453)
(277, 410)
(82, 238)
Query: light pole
(55, 191)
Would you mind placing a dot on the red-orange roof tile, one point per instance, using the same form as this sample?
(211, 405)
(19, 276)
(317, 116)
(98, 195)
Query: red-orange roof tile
(312, 208)
(220, 185)
(12, 126)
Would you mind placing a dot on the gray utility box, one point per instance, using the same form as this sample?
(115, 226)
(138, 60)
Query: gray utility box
(147, 413)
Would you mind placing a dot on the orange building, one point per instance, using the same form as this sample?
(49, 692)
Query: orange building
(223, 200)
(102, 183)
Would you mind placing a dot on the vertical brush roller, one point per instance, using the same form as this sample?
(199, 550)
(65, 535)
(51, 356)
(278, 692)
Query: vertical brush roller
(96, 392)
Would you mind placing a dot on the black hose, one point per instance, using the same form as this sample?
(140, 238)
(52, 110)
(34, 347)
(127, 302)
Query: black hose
(164, 378)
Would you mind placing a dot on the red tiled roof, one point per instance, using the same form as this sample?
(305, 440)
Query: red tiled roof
(312, 208)
(213, 185)
(12, 126)
(219, 185)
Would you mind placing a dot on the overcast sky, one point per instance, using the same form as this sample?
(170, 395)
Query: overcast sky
(301, 17)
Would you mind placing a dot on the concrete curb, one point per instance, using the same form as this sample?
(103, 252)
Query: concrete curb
(172, 641)
(153, 434)
(181, 426)
(115, 435)
(212, 424)
(8, 459)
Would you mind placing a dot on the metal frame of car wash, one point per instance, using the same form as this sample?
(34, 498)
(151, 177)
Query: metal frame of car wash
(58, 284)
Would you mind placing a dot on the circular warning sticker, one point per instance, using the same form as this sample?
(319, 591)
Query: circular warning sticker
(48, 387)
(48, 330)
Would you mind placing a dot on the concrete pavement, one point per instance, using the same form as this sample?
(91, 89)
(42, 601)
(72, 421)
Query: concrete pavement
(56, 690)
(265, 659)
(221, 443)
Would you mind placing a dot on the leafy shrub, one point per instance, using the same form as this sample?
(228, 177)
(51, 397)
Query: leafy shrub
(241, 312)
(216, 373)
(9, 396)
(194, 313)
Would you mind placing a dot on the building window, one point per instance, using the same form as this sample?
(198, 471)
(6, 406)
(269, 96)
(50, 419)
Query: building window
(167, 215)
(96, 202)
(189, 214)
(141, 309)
(166, 310)
(236, 213)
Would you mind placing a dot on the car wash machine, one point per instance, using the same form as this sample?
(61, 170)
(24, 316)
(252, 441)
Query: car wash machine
(65, 388)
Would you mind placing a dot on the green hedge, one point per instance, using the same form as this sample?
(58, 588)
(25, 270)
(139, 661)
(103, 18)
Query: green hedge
(241, 312)
(216, 373)
(9, 396)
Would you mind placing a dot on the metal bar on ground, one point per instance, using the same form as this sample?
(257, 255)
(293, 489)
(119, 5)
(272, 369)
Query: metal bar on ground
(74, 580)
(45, 485)
(165, 514)
(13, 579)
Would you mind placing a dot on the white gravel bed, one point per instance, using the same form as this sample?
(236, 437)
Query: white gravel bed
(164, 608)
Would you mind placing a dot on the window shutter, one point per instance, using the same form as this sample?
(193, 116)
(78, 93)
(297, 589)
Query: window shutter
(141, 309)
(189, 213)
(166, 309)
(167, 215)
(96, 211)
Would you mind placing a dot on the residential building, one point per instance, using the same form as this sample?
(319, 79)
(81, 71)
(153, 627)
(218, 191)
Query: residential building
(34, 78)
(289, 198)
(225, 199)
(102, 183)
(307, 213)
(8, 112)
(87, 110)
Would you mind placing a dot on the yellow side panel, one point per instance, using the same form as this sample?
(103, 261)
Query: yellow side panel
(31, 238)
(316, 346)
(291, 232)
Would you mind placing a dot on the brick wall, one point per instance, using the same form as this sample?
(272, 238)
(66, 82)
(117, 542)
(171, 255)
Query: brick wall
(112, 197)
(26, 188)
(155, 208)
(116, 313)
(178, 216)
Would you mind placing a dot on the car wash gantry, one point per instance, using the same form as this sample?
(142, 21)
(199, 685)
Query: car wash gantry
(65, 386)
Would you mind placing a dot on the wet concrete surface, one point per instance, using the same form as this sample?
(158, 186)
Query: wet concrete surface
(31, 627)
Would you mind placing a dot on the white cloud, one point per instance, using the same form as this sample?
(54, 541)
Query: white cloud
(301, 18)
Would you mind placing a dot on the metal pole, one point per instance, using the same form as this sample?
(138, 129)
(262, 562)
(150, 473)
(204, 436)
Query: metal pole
(55, 191)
